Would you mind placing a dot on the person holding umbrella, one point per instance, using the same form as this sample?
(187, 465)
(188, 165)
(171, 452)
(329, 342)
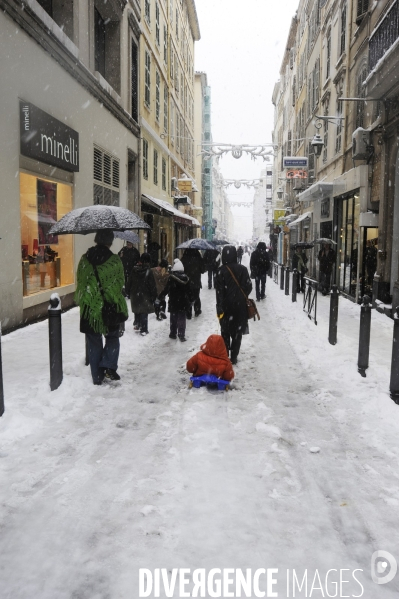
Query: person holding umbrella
(212, 263)
(194, 267)
(100, 279)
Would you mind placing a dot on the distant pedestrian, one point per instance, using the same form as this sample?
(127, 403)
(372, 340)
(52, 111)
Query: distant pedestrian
(259, 265)
(212, 359)
(129, 256)
(194, 267)
(212, 263)
(100, 277)
(327, 260)
(143, 292)
(180, 298)
(231, 306)
(299, 261)
(161, 276)
(240, 253)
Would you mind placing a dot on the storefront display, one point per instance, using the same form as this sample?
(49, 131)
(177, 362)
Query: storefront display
(47, 260)
(347, 220)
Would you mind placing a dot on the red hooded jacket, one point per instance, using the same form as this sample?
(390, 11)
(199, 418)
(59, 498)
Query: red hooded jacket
(212, 359)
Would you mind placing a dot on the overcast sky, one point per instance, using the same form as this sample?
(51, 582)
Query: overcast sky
(241, 49)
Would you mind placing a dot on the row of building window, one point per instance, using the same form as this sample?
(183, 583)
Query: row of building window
(157, 165)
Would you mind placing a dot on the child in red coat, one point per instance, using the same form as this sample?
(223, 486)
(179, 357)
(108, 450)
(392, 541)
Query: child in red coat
(212, 359)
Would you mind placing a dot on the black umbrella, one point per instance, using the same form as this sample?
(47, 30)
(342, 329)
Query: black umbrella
(196, 244)
(127, 236)
(219, 242)
(302, 244)
(93, 218)
(325, 240)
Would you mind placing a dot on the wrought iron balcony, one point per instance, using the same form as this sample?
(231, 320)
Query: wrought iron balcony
(384, 36)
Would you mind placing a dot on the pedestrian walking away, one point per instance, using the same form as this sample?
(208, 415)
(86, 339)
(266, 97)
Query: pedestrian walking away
(142, 290)
(180, 298)
(240, 253)
(212, 359)
(259, 265)
(129, 256)
(194, 267)
(100, 277)
(212, 263)
(299, 261)
(161, 276)
(327, 260)
(231, 306)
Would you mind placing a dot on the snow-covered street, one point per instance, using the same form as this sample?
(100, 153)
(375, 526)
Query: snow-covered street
(295, 468)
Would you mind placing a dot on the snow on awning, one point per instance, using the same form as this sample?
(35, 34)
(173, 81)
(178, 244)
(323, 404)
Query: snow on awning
(303, 216)
(166, 209)
(317, 191)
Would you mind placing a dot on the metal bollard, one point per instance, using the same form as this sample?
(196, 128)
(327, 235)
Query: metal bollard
(394, 382)
(1, 382)
(282, 277)
(55, 341)
(332, 331)
(364, 336)
(287, 281)
(294, 284)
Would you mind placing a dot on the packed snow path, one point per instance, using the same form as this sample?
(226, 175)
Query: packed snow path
(295, 468)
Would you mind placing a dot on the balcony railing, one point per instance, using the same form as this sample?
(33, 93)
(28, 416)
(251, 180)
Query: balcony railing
(384, 36)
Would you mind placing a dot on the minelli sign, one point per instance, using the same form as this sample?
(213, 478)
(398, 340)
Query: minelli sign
(46, 139)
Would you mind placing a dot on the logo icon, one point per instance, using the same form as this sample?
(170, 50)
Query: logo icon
(383, 567)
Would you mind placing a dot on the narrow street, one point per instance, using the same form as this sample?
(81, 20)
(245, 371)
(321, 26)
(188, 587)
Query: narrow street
(284, 471)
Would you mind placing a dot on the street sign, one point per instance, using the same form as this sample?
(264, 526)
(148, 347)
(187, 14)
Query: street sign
(295, 162)
(185, 185)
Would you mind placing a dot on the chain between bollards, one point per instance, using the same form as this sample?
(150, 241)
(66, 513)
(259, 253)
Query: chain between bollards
(282, 277)
(287, 281)
(394, 382)
(333, 326)
(294, 284)
(1, 382)
(55, 341)
(364, 336)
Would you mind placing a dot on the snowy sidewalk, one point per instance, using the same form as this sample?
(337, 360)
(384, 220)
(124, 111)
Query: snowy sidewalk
(296, 467)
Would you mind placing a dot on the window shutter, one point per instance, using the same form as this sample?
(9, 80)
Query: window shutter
(106, 177)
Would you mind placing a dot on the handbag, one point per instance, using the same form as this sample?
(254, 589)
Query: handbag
(252, 310)
(111, 317)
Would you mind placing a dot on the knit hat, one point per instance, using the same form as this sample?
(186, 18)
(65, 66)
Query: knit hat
(177, 266)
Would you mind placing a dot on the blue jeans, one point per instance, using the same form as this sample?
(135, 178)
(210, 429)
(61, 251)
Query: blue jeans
(142, 322)
(101, 357)
(260, 284)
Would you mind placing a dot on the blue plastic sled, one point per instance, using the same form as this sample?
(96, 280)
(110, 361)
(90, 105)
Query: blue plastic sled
(209, 379)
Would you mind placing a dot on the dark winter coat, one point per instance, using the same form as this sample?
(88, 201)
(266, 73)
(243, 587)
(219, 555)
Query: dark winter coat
(230, 300)
(194, 267)
(129, 257)
(142, 289)
(299, 261)
(178, 290)
(212, 259)
(260, 261)
(327, 261)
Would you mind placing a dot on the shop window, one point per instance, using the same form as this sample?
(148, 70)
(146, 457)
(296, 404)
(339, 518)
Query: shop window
(61, 11)
(107, 45)
(47, 260)
(106, 178)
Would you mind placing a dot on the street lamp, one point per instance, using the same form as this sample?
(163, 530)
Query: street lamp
(280, 193)
(317, 143)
